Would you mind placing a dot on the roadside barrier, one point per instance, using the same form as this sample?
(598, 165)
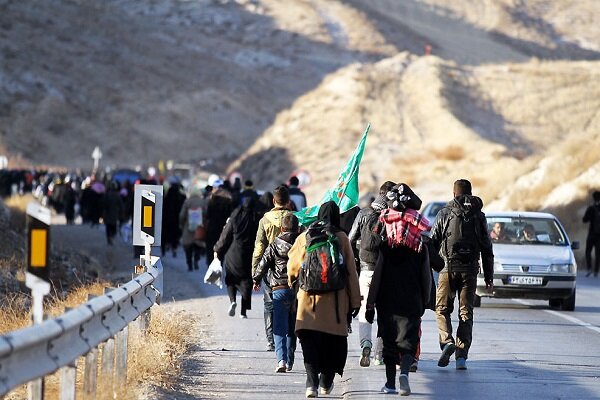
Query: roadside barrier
(39, 350)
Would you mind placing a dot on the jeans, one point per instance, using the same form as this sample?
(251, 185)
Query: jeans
(449, 285)
(283, 300)
(364, 328)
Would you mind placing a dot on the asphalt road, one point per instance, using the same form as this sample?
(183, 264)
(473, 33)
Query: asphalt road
(521, 349)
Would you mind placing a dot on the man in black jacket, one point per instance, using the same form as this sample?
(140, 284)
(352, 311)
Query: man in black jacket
(592, 215)
(360, 237)
(459, 234)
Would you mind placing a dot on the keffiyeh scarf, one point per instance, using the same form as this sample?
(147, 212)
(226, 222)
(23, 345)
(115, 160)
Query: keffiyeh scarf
(404, 228)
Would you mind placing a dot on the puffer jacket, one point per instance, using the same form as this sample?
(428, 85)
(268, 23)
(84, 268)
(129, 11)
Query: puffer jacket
(275, 260)
(367, 257)
(439, 235)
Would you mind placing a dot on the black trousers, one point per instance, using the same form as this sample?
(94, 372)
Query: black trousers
(592, 242)
(324, 356)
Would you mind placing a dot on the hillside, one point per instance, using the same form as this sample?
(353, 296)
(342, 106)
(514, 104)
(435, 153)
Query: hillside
(507, 98)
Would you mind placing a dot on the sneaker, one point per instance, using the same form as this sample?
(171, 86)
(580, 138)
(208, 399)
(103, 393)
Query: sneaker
(404, 386)
(387, 390)
(311, 392)
(270, 347)
(280, 366)
(414, 366)
(448, 350)
(289, 366)
(365, 359)
(328, 390)
(243, 316)
(377, 361)
(232, 309)
(461, 363)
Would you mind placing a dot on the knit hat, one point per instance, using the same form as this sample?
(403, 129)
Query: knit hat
(401, 197)
(380, 202)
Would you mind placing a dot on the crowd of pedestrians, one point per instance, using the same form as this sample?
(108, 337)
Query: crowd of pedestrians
(386, 261)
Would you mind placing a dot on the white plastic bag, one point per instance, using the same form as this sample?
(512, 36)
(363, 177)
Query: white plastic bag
(214, 274)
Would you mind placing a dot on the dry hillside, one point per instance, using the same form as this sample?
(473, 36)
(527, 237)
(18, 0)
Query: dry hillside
(507, 98)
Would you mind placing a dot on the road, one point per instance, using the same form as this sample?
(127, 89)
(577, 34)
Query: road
(521, 349)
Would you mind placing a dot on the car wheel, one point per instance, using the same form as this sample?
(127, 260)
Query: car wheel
(477, 301)
(568, 304)
(555, 303)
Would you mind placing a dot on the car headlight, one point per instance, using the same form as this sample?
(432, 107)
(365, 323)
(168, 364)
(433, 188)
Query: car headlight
(561, 268)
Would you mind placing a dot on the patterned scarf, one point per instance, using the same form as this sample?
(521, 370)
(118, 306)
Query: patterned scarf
(404, 228)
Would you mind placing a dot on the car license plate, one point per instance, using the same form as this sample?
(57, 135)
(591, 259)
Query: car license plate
(525, 280)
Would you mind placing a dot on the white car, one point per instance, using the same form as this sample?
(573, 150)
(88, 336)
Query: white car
(533, 259)
(430, 211)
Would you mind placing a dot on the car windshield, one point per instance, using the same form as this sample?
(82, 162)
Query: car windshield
(522, 230)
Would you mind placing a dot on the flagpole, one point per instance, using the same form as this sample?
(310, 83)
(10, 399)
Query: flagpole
(358, 166)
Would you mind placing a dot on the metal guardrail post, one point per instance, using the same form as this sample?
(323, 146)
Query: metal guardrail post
(90, 375)
(90, 370)
(108, 364)
(108, 358)
(143, 320)
(121, 356)
(35, 389)
(68, 379)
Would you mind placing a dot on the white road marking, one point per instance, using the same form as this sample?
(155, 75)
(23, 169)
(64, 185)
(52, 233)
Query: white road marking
(574, 320)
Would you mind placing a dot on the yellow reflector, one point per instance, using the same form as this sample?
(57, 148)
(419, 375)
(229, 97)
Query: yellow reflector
(39, 238)
(147, 217)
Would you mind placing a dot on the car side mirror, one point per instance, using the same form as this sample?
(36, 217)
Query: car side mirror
(575, 245)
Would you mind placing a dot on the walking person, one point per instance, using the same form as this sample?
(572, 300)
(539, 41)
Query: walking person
(297, 196)
(401, 286)
(171, 232)
(459, 234)
(592, 215)
(366, 243)
(192, 228)
(273, 264)
(218, 209)
(234, 248)
(321, 319)
(112, 209)
(269, 228)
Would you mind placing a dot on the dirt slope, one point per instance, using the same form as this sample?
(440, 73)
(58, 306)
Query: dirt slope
(271, 86)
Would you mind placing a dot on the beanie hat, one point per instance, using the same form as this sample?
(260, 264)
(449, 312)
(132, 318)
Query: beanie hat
(380, 202)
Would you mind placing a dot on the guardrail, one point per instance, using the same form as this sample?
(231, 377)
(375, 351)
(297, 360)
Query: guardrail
(39, 350)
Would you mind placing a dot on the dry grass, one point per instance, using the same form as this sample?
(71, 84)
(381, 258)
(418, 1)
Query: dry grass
(154, 356)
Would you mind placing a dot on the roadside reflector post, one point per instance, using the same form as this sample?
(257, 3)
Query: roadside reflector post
(38, 273)
(147, 219)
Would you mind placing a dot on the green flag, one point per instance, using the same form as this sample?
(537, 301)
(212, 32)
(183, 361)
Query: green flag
(345, 191)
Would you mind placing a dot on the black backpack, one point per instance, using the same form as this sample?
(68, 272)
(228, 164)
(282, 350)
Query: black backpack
(462, 239)
(370, 234)
(323, 269)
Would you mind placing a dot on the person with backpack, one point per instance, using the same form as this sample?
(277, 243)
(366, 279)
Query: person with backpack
(234, 248)
(401, 286)
(592, 215)
(321, 263)
(367, 242)
(459, 234)
(273, 264)
(269, 227)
